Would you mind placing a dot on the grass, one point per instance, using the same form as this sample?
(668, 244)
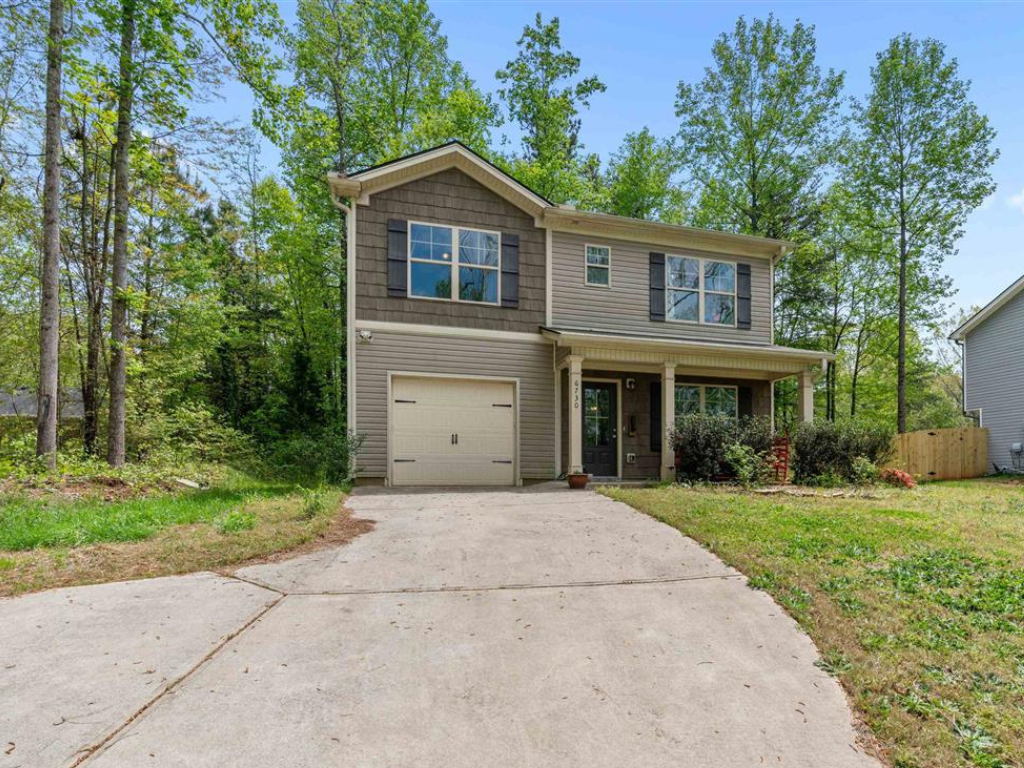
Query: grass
(914, 598)
(55, 539)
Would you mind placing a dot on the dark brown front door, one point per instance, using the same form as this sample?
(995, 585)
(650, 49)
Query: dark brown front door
(600, 429)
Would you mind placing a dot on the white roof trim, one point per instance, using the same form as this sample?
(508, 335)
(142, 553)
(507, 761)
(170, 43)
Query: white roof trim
(988, 310)
(578, 335)
(433, 160)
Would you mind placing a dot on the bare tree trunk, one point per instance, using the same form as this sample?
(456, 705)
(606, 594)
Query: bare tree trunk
(91, 397)
(49, 307)
(119, 267)
(901, 355)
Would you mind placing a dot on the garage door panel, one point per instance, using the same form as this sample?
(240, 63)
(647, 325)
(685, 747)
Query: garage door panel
(428, 412)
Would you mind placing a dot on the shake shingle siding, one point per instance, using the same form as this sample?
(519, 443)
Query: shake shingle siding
(451, 198)
(994, 377)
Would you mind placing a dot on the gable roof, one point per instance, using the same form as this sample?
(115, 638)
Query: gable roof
(988, 310)
(360, 185)
(427, 162)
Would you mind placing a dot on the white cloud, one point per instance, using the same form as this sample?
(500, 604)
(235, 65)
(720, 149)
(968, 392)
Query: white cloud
(1017, 200)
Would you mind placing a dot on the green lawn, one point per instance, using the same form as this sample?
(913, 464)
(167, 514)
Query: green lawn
(915, 599)
(63, 536)
(27, 523)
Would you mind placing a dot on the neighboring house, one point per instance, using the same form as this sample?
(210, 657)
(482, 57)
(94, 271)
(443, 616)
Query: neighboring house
(496, 338)
(993, 373)
(21, 403)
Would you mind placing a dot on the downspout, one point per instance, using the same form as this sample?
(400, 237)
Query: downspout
(349, 210)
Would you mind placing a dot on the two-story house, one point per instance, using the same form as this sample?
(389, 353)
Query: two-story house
(497, 338)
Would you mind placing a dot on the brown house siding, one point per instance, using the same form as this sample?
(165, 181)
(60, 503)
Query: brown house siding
(453, 198)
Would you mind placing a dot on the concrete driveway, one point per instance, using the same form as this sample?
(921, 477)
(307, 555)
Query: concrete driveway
(537, 627)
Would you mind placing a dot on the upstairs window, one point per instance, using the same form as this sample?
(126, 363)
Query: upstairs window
(599, 265)
(700, 291)
(437, 272)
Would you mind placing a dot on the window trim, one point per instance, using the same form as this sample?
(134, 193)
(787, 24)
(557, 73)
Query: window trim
(703, 398)
(701, 290)
(587, 265)
(453, 264)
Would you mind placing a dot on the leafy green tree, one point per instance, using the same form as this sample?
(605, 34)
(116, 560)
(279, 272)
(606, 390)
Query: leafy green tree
(757, 132)
(543, 96)
(922, 162)
(639, 180)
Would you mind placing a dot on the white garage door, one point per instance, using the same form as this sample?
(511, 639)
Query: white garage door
(452, 432)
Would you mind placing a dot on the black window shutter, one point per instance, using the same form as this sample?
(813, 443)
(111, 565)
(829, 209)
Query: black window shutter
(656, 416)
(510, 271)
(745, 397)
(398, 255)
(743, 296)
(658, 287)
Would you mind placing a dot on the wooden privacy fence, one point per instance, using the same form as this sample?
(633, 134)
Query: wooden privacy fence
(943, 454)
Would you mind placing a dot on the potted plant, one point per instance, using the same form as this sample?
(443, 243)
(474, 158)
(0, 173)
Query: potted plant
(578, 480)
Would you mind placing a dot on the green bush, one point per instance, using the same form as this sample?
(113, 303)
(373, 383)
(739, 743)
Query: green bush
(318, 458)
(187, 432)
(707, 446)
(749, 466)
(837, 451)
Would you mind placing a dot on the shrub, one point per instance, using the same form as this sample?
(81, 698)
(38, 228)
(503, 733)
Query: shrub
(749, 466)
(828, 449)
(863, 471)
(325, 457)
(898, 478)
(713, 446)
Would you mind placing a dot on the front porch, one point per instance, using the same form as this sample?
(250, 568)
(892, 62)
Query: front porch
(617, 395)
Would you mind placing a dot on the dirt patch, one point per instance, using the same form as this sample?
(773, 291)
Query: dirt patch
(73, 489)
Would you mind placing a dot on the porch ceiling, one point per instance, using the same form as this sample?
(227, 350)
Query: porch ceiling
(606, 351)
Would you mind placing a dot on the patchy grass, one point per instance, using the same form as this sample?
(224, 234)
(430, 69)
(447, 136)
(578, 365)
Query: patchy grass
(914, 598)
(59, 540)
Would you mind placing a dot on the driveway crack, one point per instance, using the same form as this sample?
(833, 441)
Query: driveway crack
(95, 748)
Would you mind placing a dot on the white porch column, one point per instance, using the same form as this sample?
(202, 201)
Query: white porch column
(575, 414)
(668, 421)
(805, 397)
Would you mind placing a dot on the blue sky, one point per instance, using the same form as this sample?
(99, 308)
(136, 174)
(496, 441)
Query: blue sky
(641, 50)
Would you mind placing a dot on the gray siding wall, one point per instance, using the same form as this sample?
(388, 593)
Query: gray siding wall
(530, 362)
(625, 307)
(638, 403)
(453, 198)
(994, 373)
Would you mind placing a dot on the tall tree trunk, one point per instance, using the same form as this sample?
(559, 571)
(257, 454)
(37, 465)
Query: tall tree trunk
(91, 396)
(119, 266)
(49, 305)
(901, 355)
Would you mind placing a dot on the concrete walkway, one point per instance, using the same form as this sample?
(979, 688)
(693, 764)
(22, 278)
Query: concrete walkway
(537, 627)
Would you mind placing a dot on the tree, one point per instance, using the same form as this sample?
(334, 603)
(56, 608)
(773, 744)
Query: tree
(543, 97)
(49, 310)
(639, 180)
(757, 132)
(922, 163)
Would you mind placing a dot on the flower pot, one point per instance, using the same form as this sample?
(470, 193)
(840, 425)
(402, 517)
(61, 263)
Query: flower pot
(578, 480)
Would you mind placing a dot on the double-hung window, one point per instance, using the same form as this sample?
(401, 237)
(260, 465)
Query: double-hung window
(599, 265)
(454, 263)
(711, 400)
(700, 291)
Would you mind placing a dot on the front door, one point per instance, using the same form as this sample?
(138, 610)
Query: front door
(600, 429)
